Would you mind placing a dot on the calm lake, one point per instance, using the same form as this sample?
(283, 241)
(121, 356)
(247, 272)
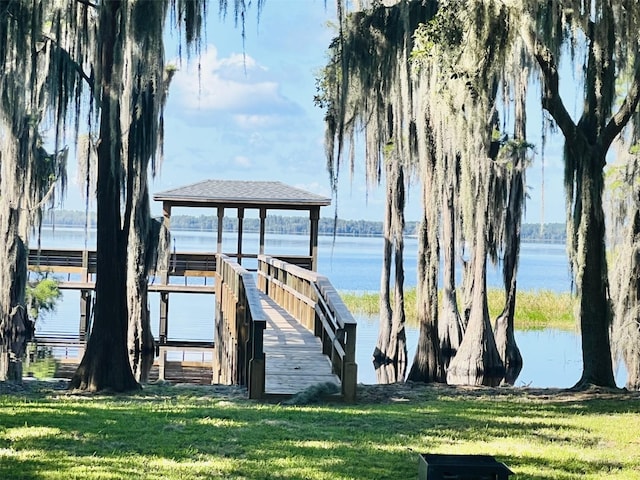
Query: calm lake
(552, 358)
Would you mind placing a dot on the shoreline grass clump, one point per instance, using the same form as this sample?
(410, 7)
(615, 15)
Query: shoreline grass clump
(199, 432)
(535, 310)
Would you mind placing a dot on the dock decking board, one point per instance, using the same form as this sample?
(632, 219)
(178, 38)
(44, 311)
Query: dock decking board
(293, 355)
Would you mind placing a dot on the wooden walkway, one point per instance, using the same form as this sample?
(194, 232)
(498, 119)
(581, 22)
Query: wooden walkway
(278, 332)
(293, 355)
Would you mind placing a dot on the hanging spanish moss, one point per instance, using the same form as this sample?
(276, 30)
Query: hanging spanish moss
(30, 42)
(439, 83)
(625, 245)
(462, 108)
(368, 87)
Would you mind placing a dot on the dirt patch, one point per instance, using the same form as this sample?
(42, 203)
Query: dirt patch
(410, 391)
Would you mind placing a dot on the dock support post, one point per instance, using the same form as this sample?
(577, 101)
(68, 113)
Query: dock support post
(164, 317)
(263, 216)
(162, 360)
(220, 228)
(85, 313)
(314, 217)
(240, 228)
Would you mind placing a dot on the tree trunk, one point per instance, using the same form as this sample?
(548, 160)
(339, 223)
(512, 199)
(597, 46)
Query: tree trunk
(477, 361)
(142, 246)
(626, 325)
(390, 354)
(105, 364)
(16, 329)
(591, 275)
(16, 198)
(427, 363)
(504, 333)
(451, 327)
(504, 329)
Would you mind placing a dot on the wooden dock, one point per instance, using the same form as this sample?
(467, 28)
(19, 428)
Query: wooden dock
(293, 354)
(277, 334)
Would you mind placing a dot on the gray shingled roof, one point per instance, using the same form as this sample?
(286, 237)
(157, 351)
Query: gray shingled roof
(239, 192)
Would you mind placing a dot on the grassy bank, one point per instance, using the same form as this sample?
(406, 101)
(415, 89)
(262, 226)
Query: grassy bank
(201, 432)
(534, 309)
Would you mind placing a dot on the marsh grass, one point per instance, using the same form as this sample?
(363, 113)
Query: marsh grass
(191, 433)
(535, 310)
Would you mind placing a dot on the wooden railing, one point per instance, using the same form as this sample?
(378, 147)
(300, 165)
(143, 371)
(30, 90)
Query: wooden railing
(180, 264)
(311, 298)
(239, 354)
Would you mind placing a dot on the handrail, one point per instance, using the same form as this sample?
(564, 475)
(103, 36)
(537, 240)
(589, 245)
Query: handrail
(239, 353)
(180, 264)
(312, 299)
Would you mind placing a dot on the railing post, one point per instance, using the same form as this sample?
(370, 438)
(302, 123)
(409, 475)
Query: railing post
(349, 366)
(257, 364)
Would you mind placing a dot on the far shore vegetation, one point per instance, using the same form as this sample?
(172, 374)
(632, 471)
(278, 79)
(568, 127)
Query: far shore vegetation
(535, 310)
(296, 225)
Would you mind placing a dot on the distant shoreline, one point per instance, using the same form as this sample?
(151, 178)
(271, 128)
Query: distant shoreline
(552, 233)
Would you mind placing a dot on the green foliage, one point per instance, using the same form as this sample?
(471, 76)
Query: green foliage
(534, 310)
(190, 433)
(42, 296)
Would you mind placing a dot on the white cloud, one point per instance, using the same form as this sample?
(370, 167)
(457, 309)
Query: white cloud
(242, 162)
(256, 121)
(236, 84)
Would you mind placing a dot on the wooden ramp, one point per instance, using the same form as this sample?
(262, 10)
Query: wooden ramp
(293, 355)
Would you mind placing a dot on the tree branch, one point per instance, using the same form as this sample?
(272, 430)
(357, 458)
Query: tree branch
(628, 107)
(77, 67)
(87, 3)
(551, 100)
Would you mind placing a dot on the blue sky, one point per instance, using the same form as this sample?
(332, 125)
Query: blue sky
(252, 116)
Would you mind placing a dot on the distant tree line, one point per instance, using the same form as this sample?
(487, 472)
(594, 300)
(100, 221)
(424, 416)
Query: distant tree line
(531, 232)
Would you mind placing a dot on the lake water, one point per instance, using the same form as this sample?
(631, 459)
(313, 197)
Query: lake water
(552, 358)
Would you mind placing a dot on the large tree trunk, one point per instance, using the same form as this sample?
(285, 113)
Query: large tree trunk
(16, 329)
(105, 363)
(477, 361)
(16, 200)
(427, 363)
(591, 264)
(142, 247)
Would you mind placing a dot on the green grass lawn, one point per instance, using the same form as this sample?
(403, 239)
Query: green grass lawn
(201, 432)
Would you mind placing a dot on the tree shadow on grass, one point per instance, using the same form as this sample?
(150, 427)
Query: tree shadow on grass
(12, 468)
(182, 435)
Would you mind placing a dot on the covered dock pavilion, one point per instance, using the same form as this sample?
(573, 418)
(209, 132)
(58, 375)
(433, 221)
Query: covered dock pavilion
(240, 196)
